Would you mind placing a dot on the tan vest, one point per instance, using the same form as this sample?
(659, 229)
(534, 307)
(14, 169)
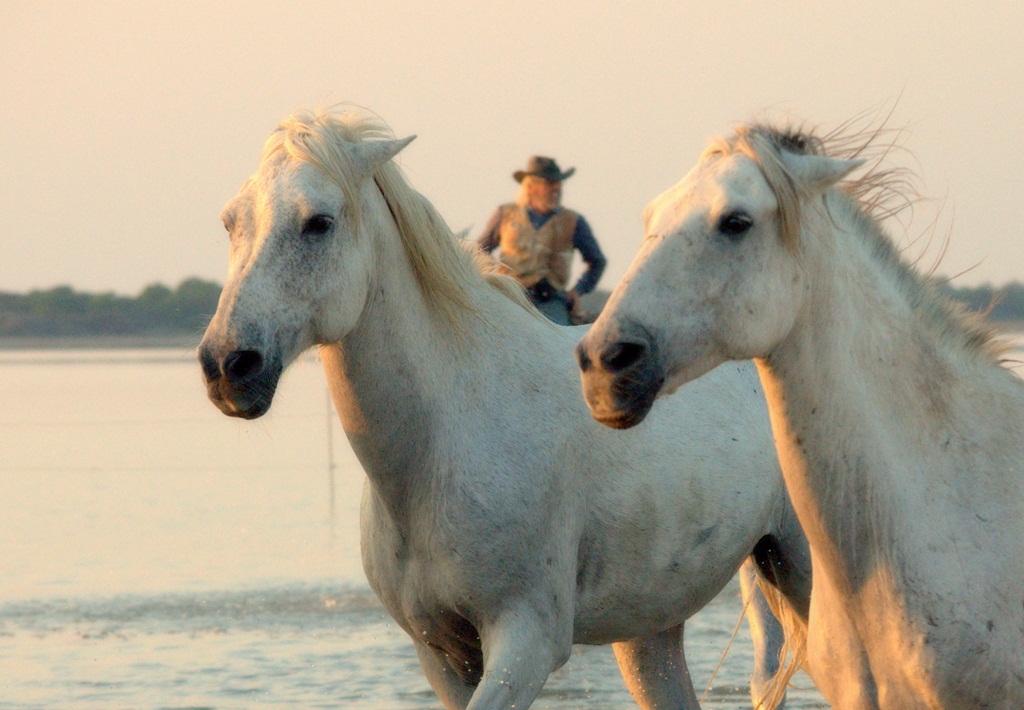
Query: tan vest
(534, 254)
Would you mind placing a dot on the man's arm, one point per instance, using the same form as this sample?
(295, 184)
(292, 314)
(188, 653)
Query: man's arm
(585, 243)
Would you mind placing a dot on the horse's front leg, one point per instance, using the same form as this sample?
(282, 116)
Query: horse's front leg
(520, 651)
(655, 671)
(451, 689)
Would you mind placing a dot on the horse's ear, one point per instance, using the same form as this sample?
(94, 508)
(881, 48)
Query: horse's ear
(371, 155)
(817, 173)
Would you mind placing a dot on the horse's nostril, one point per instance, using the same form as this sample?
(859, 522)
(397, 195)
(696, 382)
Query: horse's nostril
(241, 364)
(582, 358)
(621, 355)
(211, 370)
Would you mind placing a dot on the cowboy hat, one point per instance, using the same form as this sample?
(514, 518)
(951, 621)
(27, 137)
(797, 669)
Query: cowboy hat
(542, 167)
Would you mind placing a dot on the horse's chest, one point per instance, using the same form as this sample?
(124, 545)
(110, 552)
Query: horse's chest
(416, 570)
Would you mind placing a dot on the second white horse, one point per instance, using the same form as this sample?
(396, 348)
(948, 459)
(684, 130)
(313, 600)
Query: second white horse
(901, 437)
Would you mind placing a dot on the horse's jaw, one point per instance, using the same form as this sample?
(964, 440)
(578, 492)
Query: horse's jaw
(678, 374)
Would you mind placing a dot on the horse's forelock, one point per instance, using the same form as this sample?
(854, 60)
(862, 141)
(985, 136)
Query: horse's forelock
(763, 144)
(879, 192)
(322, 138)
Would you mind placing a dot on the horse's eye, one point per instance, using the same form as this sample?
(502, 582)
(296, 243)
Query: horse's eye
(318, 225)
(735, 224)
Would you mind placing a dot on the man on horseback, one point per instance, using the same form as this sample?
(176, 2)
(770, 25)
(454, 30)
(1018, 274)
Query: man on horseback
(536, 238)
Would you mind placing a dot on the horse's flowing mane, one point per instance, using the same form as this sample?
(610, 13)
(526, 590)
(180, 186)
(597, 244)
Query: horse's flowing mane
(878, 194)
(445, 268)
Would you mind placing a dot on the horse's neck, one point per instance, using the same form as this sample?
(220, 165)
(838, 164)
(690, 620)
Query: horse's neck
(396, 380)
(856, 392)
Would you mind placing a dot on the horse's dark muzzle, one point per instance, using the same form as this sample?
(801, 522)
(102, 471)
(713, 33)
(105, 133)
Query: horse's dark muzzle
(241, 383)
(621, 379)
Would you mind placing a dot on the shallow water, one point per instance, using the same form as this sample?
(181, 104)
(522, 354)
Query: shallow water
(154, 553)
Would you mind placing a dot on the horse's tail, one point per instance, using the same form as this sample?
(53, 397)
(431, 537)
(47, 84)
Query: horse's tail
(792, 655)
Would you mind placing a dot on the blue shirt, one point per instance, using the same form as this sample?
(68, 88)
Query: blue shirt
(583, 241)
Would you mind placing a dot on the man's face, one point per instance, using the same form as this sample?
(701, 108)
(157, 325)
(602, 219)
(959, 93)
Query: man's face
(545, 195)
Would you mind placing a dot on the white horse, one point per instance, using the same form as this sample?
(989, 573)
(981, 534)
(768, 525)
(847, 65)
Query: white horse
(901, 436)
(499, 523)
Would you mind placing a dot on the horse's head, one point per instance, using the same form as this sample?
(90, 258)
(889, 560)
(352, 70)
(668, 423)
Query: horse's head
(300, 261)
(718, 277)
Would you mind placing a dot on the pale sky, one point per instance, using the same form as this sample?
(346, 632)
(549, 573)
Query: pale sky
(124, 127)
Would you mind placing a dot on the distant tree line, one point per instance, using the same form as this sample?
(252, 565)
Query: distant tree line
(185, 310)
(1000, 303)
(64, 312)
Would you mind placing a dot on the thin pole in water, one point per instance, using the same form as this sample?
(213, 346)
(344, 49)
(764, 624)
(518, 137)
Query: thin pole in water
(330, 457)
